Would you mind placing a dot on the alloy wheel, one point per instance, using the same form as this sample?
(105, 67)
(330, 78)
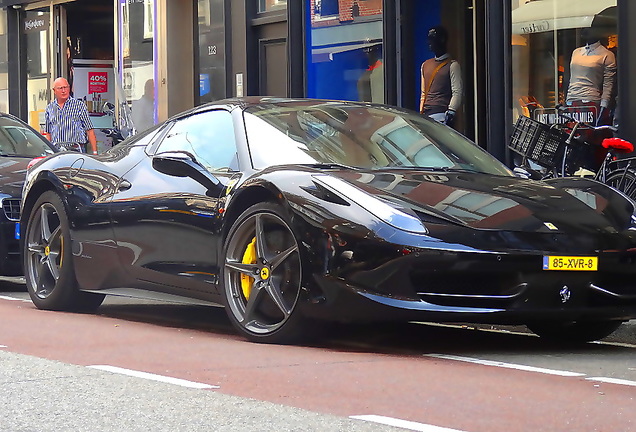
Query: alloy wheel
(44, 249)
(262, 274)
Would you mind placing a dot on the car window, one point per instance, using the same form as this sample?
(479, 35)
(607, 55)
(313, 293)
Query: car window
(16, 139)
(359, 136)
(209, 136)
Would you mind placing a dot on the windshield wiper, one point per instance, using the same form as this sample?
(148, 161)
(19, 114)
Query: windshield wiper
(419, 168)
(456, 169)
(330, 165)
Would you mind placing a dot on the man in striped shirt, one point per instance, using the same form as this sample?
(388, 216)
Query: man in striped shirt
(66, 119)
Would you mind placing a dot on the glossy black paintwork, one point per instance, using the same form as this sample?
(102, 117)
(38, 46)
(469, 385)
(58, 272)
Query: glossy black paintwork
(136, 228)
(12, 174)
(13, 169)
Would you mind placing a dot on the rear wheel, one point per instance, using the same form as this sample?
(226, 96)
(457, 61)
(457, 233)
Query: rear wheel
(624, 180)
(48, 265)
(574, 331)
(262, 276)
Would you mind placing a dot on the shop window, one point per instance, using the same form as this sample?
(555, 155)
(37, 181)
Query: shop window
(4, 63)
(345, 50)
(37, 35)
(137, 26)
(564, 52)
(271, 5)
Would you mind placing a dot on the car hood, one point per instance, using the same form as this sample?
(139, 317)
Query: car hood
(13, 174)
(488, 202)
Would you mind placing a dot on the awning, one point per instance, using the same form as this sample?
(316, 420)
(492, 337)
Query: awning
(320, 55)
(550, 15)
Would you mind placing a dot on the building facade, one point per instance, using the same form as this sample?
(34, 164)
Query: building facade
(163, 56)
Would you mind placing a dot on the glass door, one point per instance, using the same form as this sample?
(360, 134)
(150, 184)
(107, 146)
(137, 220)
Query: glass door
(136, 61)
(4, 63)
(37, 29)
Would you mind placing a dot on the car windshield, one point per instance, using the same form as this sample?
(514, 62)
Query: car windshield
(16, 139)
(359, 136)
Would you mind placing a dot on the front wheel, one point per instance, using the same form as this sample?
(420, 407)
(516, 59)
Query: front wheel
(574, 331)
(48, 265)
(623, 180)
(262, 276)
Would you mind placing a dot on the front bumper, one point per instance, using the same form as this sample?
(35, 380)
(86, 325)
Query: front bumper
(494, 288)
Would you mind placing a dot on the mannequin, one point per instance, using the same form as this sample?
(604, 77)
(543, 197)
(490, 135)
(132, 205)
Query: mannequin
(441, 95)
(371, 82)
(592, 75)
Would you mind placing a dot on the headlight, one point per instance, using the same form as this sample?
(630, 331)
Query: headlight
(378, 208)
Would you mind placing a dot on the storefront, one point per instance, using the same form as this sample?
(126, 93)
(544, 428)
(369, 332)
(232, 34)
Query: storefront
(511, 57)
(347, 46)
(108, 51)
(49, 39)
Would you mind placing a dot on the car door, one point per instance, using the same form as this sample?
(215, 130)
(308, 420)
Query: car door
(167, 227)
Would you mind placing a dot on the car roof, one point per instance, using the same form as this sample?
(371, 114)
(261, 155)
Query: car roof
(269, 101)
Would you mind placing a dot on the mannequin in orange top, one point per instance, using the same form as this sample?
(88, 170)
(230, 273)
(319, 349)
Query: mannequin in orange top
(371, 82)
(442, 86)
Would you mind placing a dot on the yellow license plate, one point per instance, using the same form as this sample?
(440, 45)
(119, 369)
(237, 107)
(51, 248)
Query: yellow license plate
(570, 263)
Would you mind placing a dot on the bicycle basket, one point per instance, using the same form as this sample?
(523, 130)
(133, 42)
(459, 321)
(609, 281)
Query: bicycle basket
(538, 142)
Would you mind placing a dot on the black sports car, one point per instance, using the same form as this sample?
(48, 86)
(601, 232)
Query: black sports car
(291, 211)
(19, 145)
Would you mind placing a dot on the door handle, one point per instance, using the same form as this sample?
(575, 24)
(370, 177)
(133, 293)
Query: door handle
(124, 185)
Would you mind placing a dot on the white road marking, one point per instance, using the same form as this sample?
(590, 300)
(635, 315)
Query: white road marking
(404, 424)
(506, 365)
(510, 332)
(149, 376)
(3, 346)
(613, 381)
(13, 298)
(616, 344)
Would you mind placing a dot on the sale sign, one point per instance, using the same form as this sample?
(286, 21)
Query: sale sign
(97, 82)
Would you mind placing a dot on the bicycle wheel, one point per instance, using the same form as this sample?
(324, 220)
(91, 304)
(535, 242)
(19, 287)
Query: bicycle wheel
(624, 180)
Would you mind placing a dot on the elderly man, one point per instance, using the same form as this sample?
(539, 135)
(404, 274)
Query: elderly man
(67, 120)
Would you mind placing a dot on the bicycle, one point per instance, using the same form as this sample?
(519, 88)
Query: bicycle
(549, 151)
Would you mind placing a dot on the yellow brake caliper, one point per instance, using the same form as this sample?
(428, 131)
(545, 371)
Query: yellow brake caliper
(249, 257)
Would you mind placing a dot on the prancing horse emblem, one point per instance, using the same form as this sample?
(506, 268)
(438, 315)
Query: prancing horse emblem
(565, 294)
(264, 273)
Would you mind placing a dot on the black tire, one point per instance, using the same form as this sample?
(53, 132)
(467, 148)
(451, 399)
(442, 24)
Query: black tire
(48, 263)
(262, 276)
(574, 331)
(624, 180)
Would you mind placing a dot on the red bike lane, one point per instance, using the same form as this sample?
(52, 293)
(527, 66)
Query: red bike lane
(344, 381)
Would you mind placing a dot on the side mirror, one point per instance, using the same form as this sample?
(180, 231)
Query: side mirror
(183, 164)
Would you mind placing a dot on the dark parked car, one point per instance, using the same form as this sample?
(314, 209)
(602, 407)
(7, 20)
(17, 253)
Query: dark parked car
(291, 211)
(19, 145)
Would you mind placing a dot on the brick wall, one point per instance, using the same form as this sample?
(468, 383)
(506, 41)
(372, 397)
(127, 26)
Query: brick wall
(345, 8)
